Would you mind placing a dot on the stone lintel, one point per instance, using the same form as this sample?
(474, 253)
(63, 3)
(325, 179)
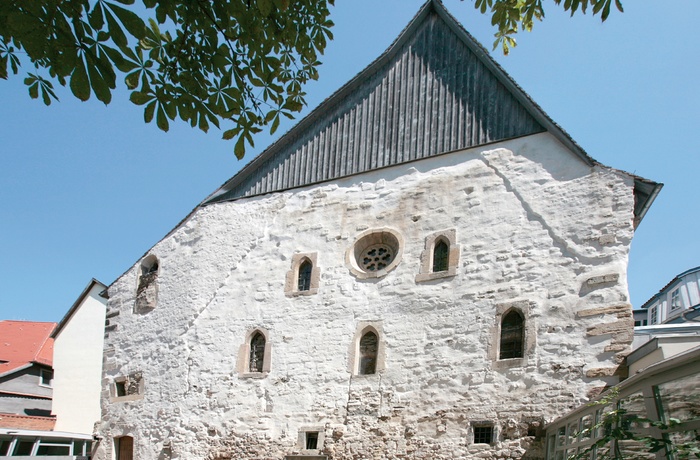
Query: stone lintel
(609, 328)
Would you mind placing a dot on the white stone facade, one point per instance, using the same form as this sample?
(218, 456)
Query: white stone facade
(538, 231)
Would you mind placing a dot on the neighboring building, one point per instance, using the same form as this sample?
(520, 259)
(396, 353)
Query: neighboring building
(77, 360)
(641, 317)
(665, 389)
(26, 373)
(425, 267)
(677, 302)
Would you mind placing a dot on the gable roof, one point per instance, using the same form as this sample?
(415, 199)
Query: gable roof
(23, 343)
(78, 302)
(435, 90)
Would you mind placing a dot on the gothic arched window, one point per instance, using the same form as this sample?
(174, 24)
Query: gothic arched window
(368, 353)
(257, 353)
(512, 335)
(440, 256)
(304, 281)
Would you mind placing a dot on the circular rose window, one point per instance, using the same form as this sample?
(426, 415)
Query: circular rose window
(375, 253)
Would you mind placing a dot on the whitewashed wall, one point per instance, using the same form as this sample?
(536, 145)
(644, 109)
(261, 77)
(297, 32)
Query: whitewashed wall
(77, 361)
(534, 225)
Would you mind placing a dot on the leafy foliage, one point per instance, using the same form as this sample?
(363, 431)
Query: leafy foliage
(206, 62)
(510, 16)
(202, 61)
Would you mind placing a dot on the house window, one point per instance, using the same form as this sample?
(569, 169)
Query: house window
(128, 387)
(304, 283)
(257, 353)
(368, 353)
(46, 378)
(311, 440)
(304, 275)
(374, 253)
(483, 434)
(440, 256)
(653, 315)
(675, 300)
(512, 334)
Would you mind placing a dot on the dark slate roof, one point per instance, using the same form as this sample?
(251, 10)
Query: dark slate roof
(434, 91)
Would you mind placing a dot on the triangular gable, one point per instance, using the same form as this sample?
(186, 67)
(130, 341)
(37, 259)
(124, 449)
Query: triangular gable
(434, 91)
(428, 94)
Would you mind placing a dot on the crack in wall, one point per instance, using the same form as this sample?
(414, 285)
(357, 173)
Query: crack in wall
(566, 250)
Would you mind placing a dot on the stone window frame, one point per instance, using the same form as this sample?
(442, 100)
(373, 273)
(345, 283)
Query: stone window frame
(243, 361)
(291, 282)
(354, 362)
(483, 424)
(426, 272)
(371, 237)
(123, 381)
(524, 307)
(145, 281)
(302, 436)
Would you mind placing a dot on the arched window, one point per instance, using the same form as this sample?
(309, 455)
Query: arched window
(440, 256)
(257, 353)
(147, 289)
(304, 281)
(512, 335)
(368, 353)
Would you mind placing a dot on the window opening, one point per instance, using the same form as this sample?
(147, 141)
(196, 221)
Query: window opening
(483, 434)
(440, 256)
(653, 315)
(120, 388)
(368, 353)
(23, 447)
(312, 439)
(5, 447)
(257, 353)
(512, 336)
(304, 282)
(46, 377)
(376, 257)
(675, 300)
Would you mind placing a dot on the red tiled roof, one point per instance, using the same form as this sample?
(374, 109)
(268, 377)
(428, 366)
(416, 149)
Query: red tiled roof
(27, 422)
(25, 342)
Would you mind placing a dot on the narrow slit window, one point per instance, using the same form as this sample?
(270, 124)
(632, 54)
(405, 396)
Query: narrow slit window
(368, 353)
(440, 257)
(304, 282)
(120, 388)
(512, 332)
(257, 353)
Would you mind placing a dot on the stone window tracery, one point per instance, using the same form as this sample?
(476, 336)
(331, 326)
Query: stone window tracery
(374, 253)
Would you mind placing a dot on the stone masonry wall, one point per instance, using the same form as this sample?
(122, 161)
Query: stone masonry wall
(536, 228)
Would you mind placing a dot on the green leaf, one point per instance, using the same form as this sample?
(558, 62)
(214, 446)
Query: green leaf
(229, 134)
(98, 84)
(140, 98)
(265, 7)
(95, 17)
(162, 119)
(131, 21)
(148, 111)
(33, 90)
(79, 84)
(239, 149)
(115, 31)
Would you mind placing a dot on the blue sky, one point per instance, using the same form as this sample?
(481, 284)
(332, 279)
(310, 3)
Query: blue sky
(86, 189)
